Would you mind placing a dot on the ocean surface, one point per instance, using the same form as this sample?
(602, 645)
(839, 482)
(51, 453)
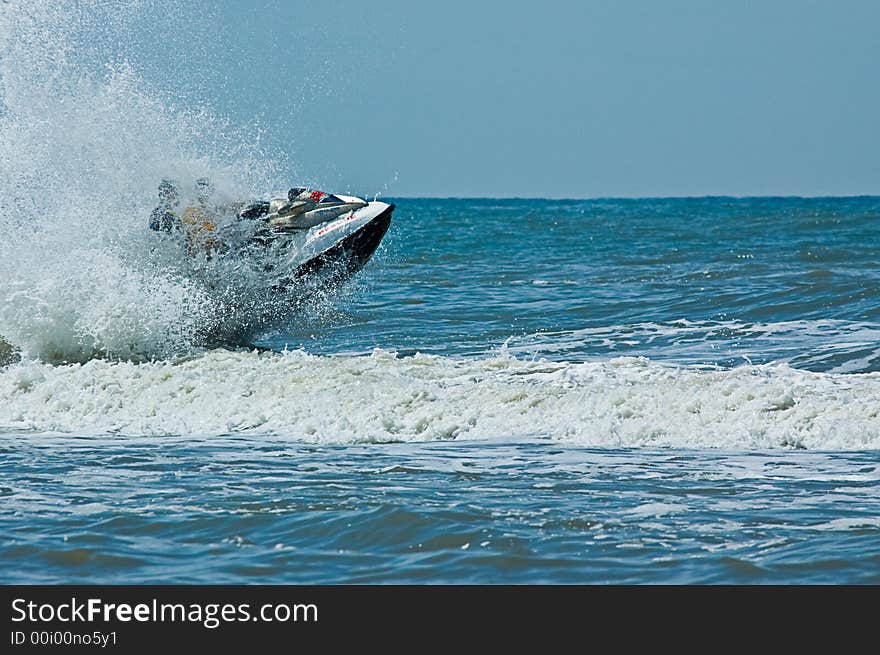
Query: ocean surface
(512, 391)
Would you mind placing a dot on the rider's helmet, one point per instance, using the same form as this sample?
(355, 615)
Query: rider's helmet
(204, 189)
(168, 192)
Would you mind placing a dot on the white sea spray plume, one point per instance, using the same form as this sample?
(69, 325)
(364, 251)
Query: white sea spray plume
(85, 141)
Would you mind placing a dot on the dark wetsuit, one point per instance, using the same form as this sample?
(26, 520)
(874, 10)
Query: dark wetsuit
(163, 218)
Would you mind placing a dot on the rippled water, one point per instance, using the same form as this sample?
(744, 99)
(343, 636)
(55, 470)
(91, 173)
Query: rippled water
(233, 509)
(699, 281)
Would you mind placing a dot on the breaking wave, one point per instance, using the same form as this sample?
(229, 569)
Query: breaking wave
(623, 402)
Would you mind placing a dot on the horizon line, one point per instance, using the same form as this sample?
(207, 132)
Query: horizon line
(673, 197)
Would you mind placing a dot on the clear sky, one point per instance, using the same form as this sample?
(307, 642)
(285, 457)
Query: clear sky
(554, 98)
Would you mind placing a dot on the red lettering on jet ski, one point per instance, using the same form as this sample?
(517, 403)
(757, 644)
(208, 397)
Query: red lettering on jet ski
(336, 223)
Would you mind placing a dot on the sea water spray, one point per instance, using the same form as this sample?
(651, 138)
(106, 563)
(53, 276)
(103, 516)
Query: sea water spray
(85, 142)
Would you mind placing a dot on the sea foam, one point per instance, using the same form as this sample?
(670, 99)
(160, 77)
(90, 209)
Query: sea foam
(623, 402)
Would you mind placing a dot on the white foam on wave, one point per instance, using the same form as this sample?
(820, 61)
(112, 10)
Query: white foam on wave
(624, 402)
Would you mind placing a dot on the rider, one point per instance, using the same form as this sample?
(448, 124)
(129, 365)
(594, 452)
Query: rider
(197, 219)
(164, 217)
(199, 222)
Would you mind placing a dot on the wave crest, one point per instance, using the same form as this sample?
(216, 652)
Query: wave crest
(621, 403)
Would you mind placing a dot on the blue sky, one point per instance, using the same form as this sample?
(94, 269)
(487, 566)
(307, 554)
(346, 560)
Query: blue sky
(560, 99)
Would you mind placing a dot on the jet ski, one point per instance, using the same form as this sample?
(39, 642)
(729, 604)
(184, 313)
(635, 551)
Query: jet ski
(314, 233)
(262, 258)
(308, 236)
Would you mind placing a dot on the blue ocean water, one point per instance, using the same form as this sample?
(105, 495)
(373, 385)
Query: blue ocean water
(694, 281)
(639, 391)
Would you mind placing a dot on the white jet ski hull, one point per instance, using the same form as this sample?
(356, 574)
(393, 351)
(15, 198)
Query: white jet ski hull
(337, 249)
